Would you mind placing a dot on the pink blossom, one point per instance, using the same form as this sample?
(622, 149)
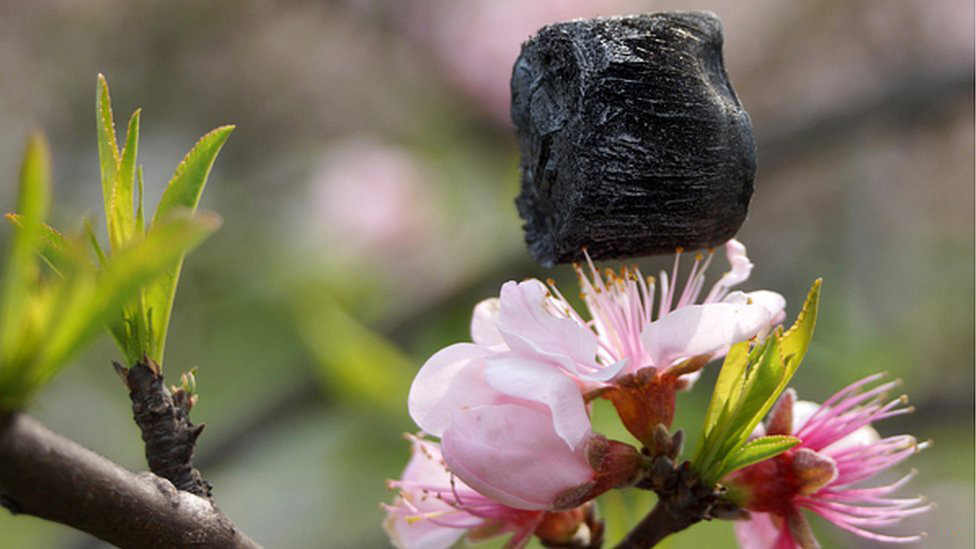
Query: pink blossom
(684, 325)
(434, 509)
(510, 406)
(531, 344)
(369, 197)
(511, 454)
(476, 42)
(839, 450)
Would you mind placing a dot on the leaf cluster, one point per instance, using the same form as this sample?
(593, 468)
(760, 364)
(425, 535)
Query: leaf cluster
(175, 228)
(750, 382)
(48, 315)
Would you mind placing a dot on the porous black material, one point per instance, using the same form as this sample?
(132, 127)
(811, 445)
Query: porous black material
(632, 139)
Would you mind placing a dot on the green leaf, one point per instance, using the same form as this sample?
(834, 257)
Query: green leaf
(796, 340)
(120, 281)
(726, 400)
(730, 378)
(108, 148)
(121, 221)
(20, 271)
(758, 449)
(183, 192)
(355, 361)
(140, 216)
(93, 240)
(53, 247)
(759, 393)
(186, 185)
(747, 387)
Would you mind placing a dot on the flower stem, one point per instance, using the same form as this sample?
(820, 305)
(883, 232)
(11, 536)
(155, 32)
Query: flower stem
(660, 523)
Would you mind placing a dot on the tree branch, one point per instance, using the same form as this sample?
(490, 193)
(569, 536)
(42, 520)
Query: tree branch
(164, 419)
(683, 499)
(660, 523)
(46, 475)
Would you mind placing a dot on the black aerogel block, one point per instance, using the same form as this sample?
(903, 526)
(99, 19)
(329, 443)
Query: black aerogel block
(632, 139)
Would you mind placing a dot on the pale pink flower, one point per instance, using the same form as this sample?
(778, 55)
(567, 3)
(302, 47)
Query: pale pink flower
(510, 453)
(530, 344)
(510, 406)
(643, 327)
(839, 450)
(434, 509)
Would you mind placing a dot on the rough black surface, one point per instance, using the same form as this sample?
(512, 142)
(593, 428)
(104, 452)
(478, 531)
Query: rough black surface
(164, 419)
(632, 139)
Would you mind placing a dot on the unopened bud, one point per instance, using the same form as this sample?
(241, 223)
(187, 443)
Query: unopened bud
(561, 527)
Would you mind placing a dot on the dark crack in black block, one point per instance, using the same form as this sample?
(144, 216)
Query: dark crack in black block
(632, 139)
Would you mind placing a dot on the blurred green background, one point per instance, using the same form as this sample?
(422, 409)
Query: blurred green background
(368, 195)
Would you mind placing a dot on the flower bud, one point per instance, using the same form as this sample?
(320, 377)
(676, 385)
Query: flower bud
(561, 527)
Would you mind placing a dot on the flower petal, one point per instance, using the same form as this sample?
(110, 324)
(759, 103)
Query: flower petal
(528, 325)
(780, 420)
(450, 379)
(419, 534)
(740, 270)
(701, 329)
(484, 323)
(540, 382)
(758, 532)
(426, 468)
(606, 373)
(772, 301)
(513, 455)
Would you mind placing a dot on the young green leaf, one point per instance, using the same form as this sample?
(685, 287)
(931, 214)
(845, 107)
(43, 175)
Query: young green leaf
(140, 216)
(108, 148)
(747, 387)
(186, 185)
(53, 247)
(730, 378)
(21, 268)
(760, 392)
(758, 449)
(183, 192)
(727, 398)
(123, 277)
(93, 240)
(356, 361)
(797, 339)
(121, 221)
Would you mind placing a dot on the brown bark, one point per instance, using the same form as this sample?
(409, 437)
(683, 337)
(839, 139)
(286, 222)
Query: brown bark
(164, 419)
(46, 475)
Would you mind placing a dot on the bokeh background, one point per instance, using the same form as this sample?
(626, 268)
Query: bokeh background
(368, 195)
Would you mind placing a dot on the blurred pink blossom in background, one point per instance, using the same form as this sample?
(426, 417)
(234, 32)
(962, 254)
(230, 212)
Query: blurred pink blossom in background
(476, 42)
(371, 197)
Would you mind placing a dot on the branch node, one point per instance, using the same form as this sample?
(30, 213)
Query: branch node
(163, 418)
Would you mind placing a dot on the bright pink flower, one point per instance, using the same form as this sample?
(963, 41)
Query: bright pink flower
(434, 509)
(839, 449)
